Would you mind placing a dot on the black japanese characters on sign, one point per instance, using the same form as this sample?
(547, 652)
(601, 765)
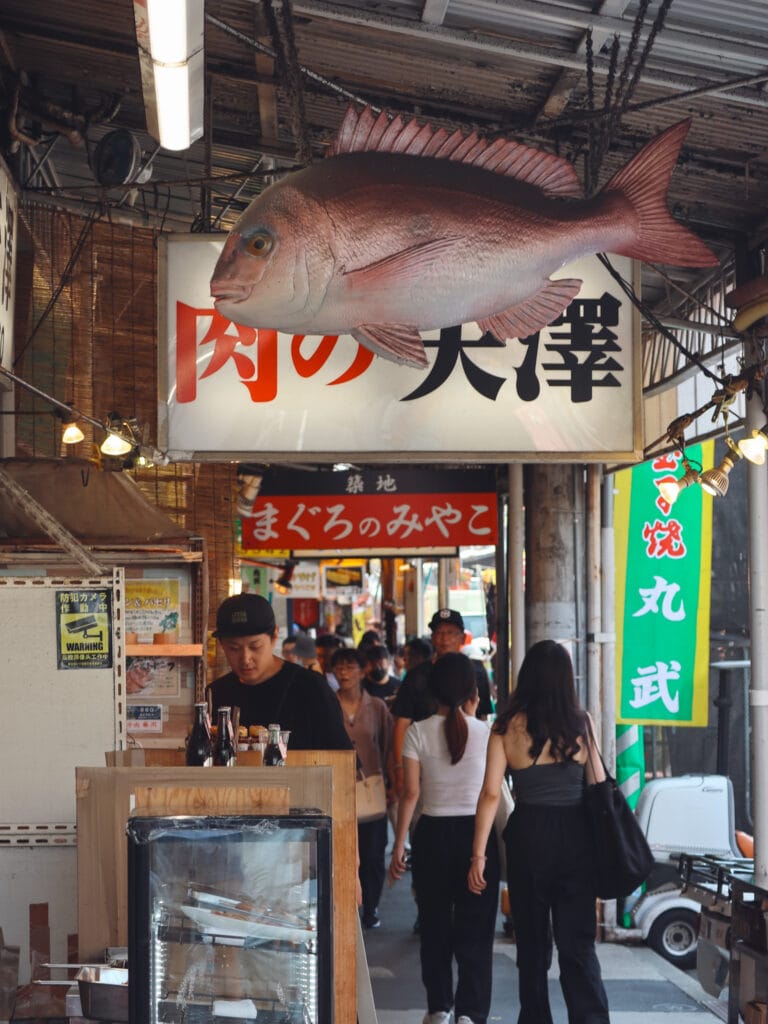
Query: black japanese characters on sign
(581, 355)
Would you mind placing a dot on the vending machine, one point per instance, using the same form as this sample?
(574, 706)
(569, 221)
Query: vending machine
(230, 919)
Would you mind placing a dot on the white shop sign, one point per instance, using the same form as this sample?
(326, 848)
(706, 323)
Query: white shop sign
(572, 392)
(8, 239)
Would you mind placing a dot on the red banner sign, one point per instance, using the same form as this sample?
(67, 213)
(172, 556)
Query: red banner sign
(366, 520)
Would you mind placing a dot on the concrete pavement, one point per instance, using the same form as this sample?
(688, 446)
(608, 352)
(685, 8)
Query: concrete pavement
(642, 987)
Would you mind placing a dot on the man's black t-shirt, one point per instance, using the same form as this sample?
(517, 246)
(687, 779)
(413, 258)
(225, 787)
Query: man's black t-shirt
(385, 689)
(294, 697)
(414, 699)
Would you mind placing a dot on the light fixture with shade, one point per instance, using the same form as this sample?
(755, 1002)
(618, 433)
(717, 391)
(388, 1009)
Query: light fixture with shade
(170, 37)
(115, 445)
(283, 583)
(123, 436)
(715, 481)
(117, 442)
(753, 448)
(71, 433)
(671, 489)
(249, 477)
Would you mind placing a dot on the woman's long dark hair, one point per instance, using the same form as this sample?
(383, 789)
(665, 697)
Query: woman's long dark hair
(546, 694)
(451, 680)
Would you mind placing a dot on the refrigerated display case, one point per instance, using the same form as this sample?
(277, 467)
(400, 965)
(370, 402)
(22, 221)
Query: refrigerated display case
(229, 918)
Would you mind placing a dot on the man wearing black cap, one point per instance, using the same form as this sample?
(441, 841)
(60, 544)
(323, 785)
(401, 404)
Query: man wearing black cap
(414, 702)
(268, 689)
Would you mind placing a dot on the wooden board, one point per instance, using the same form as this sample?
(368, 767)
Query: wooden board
(213, 800)
(321, 779)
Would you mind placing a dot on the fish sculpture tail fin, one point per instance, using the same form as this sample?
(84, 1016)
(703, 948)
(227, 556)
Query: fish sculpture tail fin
(644, 182)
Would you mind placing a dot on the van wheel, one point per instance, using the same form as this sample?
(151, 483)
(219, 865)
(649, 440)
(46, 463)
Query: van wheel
(674, 935)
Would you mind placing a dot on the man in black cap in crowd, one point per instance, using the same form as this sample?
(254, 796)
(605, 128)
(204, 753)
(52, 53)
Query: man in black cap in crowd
(413, 700)
(268, 689)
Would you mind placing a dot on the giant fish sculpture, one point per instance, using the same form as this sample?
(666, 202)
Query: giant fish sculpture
(404, 228)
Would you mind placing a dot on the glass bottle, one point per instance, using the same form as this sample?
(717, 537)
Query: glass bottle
(273, 752)
(224, 749)
(199, 746)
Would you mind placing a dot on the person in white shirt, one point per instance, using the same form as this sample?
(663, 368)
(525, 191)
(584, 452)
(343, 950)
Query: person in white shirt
(444, 764)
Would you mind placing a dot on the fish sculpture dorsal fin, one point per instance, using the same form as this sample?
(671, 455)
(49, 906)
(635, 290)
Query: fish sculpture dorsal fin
(363, 132)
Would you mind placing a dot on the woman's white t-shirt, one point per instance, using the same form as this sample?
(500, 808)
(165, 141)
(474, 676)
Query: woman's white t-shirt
(447, 789)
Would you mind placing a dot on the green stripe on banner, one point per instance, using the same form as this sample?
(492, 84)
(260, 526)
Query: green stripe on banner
(630, 761)
(663, 560)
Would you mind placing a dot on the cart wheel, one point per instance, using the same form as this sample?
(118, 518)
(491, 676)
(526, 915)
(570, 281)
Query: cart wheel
(674, 935)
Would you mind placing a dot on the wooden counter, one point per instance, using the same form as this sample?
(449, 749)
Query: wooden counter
(317, 778)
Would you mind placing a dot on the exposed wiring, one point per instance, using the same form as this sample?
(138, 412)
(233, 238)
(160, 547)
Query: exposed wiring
(269, 52)
(651, 317)
(66, 274)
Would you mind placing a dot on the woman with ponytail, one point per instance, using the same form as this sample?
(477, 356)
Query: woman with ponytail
(443, 764)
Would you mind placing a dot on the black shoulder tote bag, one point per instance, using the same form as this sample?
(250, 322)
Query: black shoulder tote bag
(623, 859)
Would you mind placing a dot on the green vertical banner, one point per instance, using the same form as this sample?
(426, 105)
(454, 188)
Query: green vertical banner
(663, 562)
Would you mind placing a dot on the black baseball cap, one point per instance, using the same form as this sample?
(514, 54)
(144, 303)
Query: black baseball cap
(446, 617)
(244, 615)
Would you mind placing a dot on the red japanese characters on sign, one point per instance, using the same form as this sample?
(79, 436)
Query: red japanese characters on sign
(425, 520)
(257, 368)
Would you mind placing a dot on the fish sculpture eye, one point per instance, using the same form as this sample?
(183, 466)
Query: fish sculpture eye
(259, 244)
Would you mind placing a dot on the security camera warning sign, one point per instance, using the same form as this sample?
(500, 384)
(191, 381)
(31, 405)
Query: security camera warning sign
(84, 630)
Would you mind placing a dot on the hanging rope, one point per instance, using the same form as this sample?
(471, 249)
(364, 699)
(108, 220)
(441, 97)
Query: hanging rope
(313, 75)
(616, 102)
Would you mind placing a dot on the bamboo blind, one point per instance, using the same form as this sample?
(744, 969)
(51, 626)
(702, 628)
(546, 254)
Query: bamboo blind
(86, 334)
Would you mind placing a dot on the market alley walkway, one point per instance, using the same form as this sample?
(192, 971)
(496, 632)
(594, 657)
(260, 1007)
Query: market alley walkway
(642, 987)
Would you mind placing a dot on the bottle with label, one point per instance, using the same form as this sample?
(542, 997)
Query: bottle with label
(224, 749)
(274, 755)
(199, 746)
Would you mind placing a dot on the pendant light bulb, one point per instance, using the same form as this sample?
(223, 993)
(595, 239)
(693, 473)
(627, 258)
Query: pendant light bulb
(72, 434)
(715, 481)
(670, 490)
(115, 444)
(754, 448)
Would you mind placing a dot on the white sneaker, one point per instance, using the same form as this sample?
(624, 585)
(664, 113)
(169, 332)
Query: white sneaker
(463, 1019)
(441, 1017)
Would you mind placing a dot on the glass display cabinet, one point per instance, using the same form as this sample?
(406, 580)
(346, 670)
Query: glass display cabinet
(229, 919)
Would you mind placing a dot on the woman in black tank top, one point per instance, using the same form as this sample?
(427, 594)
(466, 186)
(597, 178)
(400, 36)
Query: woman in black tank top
(542, 738)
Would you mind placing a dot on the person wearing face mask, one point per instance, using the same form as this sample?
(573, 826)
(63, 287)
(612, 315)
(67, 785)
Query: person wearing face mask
(377, 679)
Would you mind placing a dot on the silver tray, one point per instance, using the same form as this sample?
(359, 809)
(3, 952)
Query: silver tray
(103, 993)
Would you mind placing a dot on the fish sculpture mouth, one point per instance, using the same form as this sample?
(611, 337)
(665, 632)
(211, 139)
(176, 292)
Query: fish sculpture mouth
(230, 293)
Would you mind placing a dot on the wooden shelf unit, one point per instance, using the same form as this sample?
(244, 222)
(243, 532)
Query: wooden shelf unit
(167, 650)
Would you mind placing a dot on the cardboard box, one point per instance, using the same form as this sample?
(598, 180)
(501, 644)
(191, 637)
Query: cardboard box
(756, 1013)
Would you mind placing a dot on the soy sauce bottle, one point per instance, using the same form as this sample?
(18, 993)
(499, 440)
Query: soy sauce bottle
(273, 753)
(224, 749)
(199, 745)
